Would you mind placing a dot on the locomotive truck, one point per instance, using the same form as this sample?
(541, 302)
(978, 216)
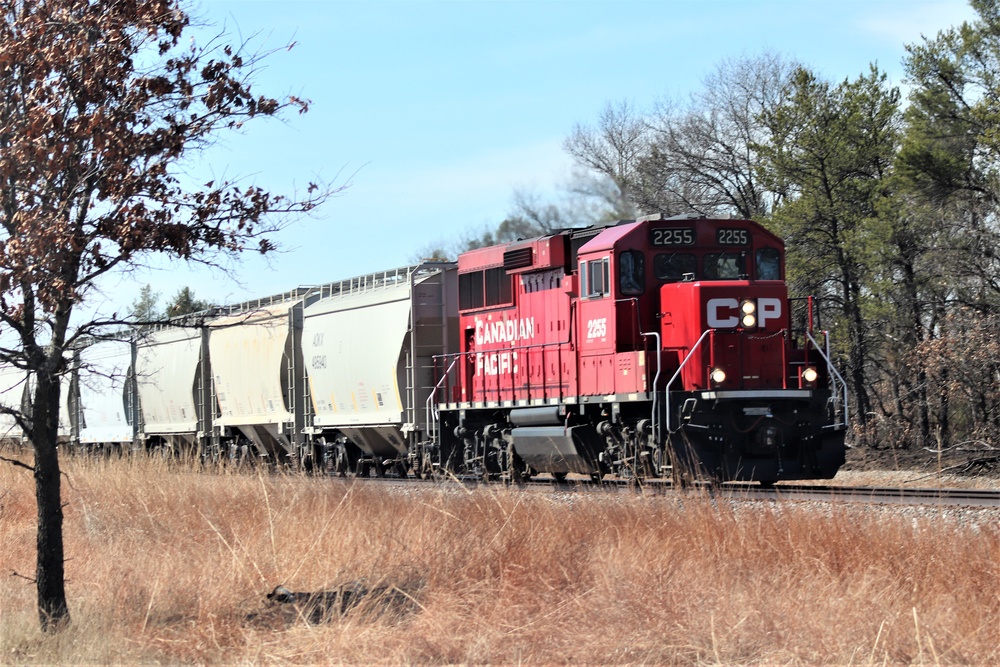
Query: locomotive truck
(641, 348)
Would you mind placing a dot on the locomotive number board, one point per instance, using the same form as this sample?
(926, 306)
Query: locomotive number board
(672, 236)
(732, 236)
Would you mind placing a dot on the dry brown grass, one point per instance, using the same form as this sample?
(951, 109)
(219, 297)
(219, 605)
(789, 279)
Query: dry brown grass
(172, 566)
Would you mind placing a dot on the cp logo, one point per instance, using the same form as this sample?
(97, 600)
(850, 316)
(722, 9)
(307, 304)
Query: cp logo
(725, 313)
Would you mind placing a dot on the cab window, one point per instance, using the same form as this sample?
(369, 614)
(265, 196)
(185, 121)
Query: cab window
(724, 266)
(768, 264)
(672, 267)
(594, 278)
(631, 273)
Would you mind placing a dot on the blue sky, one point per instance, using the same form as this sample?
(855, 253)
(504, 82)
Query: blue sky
(437, 111)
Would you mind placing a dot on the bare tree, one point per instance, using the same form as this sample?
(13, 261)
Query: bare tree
(703, 155)
(607, 156)
(100, 102)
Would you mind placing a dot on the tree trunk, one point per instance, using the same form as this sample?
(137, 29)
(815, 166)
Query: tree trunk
(50, 580)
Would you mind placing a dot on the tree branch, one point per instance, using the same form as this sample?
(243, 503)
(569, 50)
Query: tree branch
(19, 464)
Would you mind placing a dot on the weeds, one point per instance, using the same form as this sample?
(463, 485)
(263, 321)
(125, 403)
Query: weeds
(173, 565)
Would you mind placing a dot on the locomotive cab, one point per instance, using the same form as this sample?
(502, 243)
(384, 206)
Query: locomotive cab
(691, 317)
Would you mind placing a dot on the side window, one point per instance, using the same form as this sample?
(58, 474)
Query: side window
(470, 290)
(768, 261)
(631, 273)
(672, 267)
(498, 287)
(724, 266)
(596, 278)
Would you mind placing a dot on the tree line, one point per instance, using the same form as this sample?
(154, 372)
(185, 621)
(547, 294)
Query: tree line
(888, 206)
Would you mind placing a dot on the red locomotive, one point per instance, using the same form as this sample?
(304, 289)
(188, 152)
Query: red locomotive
(655, 347)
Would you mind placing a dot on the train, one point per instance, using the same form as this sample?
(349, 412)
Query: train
(660, 347)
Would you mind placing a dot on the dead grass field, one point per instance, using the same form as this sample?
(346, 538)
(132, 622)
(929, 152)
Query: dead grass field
(172, 566)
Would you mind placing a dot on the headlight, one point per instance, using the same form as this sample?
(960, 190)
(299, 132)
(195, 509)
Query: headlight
(748, 319)
(718, 375)
(810, 374)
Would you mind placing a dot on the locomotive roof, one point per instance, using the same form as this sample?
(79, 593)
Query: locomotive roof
(482, 257)
(606, 239)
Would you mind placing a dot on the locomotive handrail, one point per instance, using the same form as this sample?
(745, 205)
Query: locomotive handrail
(659, 351)
(835, 375)
(839, 385)
(429, 411)
(677, 374)
(558, 344)
(656, 378)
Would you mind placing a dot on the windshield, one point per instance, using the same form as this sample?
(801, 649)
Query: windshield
(673, 266)
(724, 266)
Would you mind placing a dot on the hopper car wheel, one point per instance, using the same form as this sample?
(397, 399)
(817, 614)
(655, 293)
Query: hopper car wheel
(423, 469)
(379, 468)
(596, 477)
(341, 464)
(767, 483)
(559, 476)
(429, 471)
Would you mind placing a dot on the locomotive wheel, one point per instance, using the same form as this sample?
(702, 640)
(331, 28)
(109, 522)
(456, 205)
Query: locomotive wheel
(519, 473)
(680, 479)
(652, 462)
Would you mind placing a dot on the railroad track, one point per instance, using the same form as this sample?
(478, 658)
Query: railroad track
(891, 495)
(979, 498)
(853, 494)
